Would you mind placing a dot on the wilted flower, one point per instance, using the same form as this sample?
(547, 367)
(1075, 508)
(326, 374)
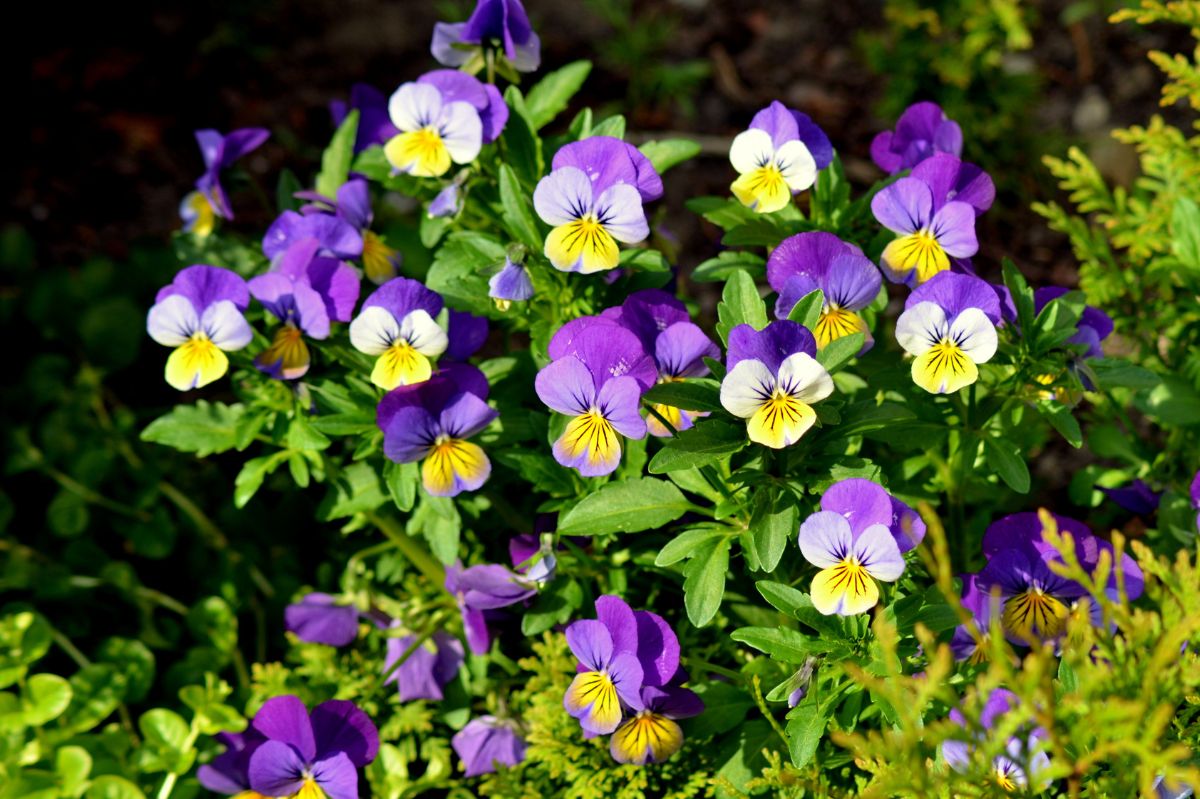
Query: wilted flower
(593, 198)
(849, 281)
(444, 116)
(200, 315)
(397, 324)
(321, 619)
(228, 772)
(431, 421)
(486, 741)
(800, 681)
(778, 156)
(311, 754)
(773, 381)
(852, 548)
(651, 735)
(306, 292)
(200, 208)
(429, 668)
(932, 223)
(1008, 770)
(597, 376)
(922, 130)
(949, 324)
(502, 22)
(511, 284)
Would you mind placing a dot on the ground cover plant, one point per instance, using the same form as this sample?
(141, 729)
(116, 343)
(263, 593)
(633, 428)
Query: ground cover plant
(583, 543)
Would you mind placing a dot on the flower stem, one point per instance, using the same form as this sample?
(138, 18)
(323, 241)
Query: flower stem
(417, 555)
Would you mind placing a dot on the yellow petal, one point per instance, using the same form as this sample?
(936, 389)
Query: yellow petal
(780, 421)
(834, 323)
(450, 459)
(419, 152)
(400, 365)
(287, 357)
(919, 251)
(590, 435)
(944, 369)
(195, 363)
(844, 588)
(647, 736)
(584, 243)
(204, 217)
(762, 189)
(594, 692)
(378, 259)
(1033, 615)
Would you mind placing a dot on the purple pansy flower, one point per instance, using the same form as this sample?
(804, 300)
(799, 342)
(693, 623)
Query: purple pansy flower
(352, 211)
(932, 223)
(397, 324)
(851, 552)
(1021, 751)
(593, 198)
(200, 208)
(922, 130)
(533, 557)
(949, 325)
(321, 619)
(984, 610)
(778, 156)
(651, 735)
(809, 261)
(773, 381)
(598, 373)
(374, 124)
(1137, 497)
(306, 292)
(429, 669)
(511, 284)
(432, 421)
(200, 315)
(610, 673)
(1093, 327)
(482, 590)
(952, 179)
(334, 236)
(449, 201)
(444, 117)
(228, 772)
(486, 741)
(864, 503)
(1195, 492)
(678, 345)
(502, 22)
(466, 333)
(309, 753)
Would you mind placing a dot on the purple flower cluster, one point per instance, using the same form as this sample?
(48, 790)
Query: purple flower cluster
(200, 209)
(1024, 758)
(629, 682)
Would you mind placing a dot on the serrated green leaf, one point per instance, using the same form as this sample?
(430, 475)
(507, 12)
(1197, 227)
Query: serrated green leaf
(740, 304)
(203, 428)
(704, 580)
(707, 442)
(695, 394)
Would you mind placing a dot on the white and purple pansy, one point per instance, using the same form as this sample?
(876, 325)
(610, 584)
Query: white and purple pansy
(200, 315)
(778, 156)
(949, 326)
(502, 22)
(444, 117)
(398, 325)
(593, 199)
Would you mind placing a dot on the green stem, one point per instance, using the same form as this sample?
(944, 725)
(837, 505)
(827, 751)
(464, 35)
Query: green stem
(169, 781)
(756, 687)
(417, 555)
(81, 660)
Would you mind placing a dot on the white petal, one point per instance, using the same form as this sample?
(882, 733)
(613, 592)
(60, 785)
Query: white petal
(462, 131)
(419, 330)
(226, 327)
(374, 330)
(975, 334)
(801, 376)
(620, 208)
(746, 387)
(796, 164)
(750, 150)
(414, 106)
(172, 321)
(563, 196)
(920, 327)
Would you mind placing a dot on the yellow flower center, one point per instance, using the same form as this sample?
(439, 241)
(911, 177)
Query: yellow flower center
(763, 189)
(834, 323)
(378, 259)
(421, 152)
(1034, 614)
(920, 251)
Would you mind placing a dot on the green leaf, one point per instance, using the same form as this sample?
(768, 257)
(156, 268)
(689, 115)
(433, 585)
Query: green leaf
(550, 96)
(335, 161)
(797, 604)
(740, 304)
(1022, 296)
(460, 267)
(44, 698)
(402, 480)
(165, 734)
(695, 394)
(96, 690)
(438, 520)
(1061, 419)
(203, 428)
(356, 490)
(808, 310)
(344, 424)
(863, 417)
(783, 643)
(1004, 458)
(625, 507)
(805, 728)
(644, 259)
(707, 442)
(522, 147)
(67, 514)
(214, 623)
(301, 435)
(252, 474)
(516, 211)
(1119, 373)
(840, 351)
(704, 580)
(728, 262)
(25, 637)
(110, 786)
(686, 544)
(771, 527)
(724, 212)
(136, 662)
(555, 604)
(1173, 402)
(72, 765)
(610, 126)
(285, 191)
(666, 153)
(1185, 232)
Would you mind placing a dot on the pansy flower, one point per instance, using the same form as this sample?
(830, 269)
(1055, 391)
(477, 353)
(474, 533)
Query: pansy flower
(773, 381)
(922, 130)
(431, 422)
(778, 156)
(949, 325)
(396, 324)
(1093, 327)
(598, 373)
(487, 741)
(374, 124)
(651, 735)
(984, 610)
(228, 772)
(449, 201)
(306, 292)
(593, 198)
(444, 117)
(311, 755)
(200, 208)
(335, 237)
(499, 22)
(849, 281)
(352, 210)
(932, 223)
(200, 315)
(511, 284)
(480, 592)
(1195, 494)
(677, 344)
(429, 668)
(1137, 497)
(852, 552)
(321, 619)
(1020, 753)
(466, 334)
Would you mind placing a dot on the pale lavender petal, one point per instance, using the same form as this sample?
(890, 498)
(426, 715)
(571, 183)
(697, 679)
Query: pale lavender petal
(566, 386)
(334, 235)
(466, 415)
(486, 741)
(563, 196)
(320, 619)
(778, 122)
(611, 352)
(619, 209)
(876, 550)
(618, 401)
(906, 206)
(620, 621)
(354, 203)
(952, 179)
(492, 586)
(591, 643)
(825, 539)
(607, 161)
(809, 253)
(625, 670)
(336, 776)
(276, 769)
(862, 502)
(511, 283)
(954, 228)
(852, 282)
(445, 36)
(680, 349)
